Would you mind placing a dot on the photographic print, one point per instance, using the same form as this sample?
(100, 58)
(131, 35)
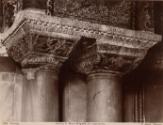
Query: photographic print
(81, 62)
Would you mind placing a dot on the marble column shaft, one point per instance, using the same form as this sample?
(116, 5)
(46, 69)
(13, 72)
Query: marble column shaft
(104, 98)
(74, 98)
(43, 95)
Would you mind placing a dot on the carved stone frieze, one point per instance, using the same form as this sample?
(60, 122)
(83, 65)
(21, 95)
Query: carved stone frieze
(108, 63)
(37, 39)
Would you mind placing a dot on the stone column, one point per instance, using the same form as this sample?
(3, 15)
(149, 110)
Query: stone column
(104, 97)
(74, 97)
(43, 40)
(152, 72)
(40, 46)
(42, 94)
(11, 90)
(104, 62)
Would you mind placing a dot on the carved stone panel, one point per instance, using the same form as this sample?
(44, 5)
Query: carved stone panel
(116, 13)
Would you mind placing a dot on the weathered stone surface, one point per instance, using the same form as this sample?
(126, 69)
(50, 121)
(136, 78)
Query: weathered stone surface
(11, 88)
(105, 54)
(3, 51)
(52, 39)
(8, 10)
(104, 98)
(116, 13)
(74, 97)
(35, 4)
(144, 16)
(40, 98)
(32, 45)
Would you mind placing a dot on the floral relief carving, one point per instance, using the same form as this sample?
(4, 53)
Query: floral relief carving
(34, 49)
(19, 49)
(105, 62)
(39, 39)
(105, 57)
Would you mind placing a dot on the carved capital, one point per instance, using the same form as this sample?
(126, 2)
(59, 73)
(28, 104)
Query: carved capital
(29, 43)
(38, 39)
(115, 54)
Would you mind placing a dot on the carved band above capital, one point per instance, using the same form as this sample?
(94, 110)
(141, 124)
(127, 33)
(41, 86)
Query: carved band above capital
(30, 72)
(107, 63)
(38, 39)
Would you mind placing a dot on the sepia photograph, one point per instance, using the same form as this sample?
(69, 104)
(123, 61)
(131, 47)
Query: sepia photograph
(81, 62)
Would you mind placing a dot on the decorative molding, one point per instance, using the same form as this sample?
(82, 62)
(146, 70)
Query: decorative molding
(138, 102)
(30, 73)
(34, 49)
(37, 22)
(104, 55)
(120, 61)
(36, 39)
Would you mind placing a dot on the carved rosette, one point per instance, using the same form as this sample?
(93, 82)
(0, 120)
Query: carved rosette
(38, 39)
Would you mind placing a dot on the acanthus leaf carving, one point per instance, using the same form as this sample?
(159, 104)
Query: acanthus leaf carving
(56, 37)
(105, 57)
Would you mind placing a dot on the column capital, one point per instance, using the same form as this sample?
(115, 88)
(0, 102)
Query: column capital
(32, 43)
(37, 39)
(117, 54)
